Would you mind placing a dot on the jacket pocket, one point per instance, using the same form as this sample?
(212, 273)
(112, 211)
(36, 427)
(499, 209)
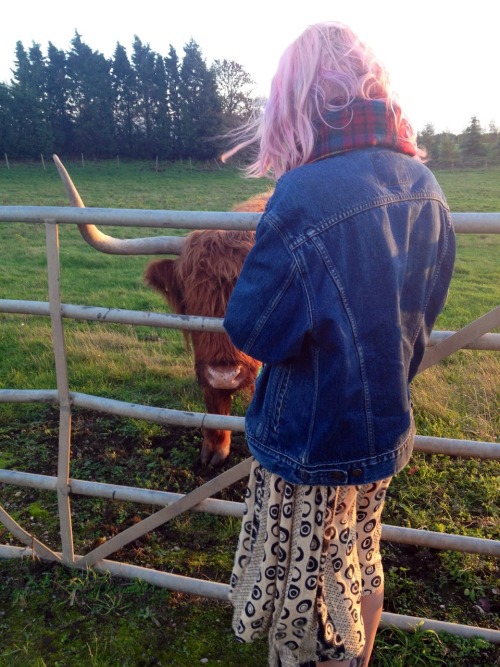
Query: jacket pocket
(279, 394)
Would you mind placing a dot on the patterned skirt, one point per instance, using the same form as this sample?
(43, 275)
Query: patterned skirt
(306, 555)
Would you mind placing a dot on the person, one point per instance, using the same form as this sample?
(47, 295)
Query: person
(351, 266)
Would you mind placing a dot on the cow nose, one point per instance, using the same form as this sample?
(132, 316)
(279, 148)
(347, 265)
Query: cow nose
(223, 377)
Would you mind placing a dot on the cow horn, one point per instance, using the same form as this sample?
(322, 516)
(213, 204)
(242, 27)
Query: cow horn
(109, 244)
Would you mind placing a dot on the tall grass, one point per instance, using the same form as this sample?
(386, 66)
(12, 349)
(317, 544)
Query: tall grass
(54, 617)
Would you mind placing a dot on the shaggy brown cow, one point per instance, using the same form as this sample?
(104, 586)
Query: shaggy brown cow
(200, 282)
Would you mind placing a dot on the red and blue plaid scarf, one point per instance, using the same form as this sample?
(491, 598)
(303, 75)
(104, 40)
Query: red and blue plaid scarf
(362, 124)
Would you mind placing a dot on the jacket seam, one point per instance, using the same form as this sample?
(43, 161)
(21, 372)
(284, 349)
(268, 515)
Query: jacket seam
(435, 279)
(312, 422)
(261, 322)
(365, 462)
(354, 330)
(362, 208)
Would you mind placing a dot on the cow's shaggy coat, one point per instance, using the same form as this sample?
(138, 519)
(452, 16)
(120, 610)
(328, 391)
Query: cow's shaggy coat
(200, 282)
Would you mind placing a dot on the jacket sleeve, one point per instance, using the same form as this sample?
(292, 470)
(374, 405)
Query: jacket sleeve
(268, 313)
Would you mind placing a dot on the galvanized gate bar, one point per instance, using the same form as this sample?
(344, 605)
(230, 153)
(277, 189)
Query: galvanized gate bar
(116, 315)
(54, 278)
(460, 339)
(413, 623)
(183, 504)
(40, 549)
(174, 582)
(217, 591)
(450, 447)
(424, 538)
(445, 541)
(464, 223)
(423, 443)
(158, 415)
(488, 341)
(136, 217)
(132, 494)
(29, 395)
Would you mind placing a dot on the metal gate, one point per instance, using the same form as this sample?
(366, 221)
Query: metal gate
(442, 343)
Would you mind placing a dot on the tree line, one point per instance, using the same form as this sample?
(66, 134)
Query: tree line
(152, 106)
(472, 148)
(144, 107)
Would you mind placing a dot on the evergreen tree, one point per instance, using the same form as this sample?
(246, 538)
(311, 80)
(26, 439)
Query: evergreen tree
(22, 67)
(493, 154)
(492, 144)
(58, 100)
(7, 122)
(426, 138)
(92, 100)
(201, 105)
(472, 147)
(161, 118)
(174, 102)
(144, 60)
(448, 151)
(31, 131)
(29, 73)
(124, 85)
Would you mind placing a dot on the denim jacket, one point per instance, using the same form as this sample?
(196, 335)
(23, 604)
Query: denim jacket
(350, 269)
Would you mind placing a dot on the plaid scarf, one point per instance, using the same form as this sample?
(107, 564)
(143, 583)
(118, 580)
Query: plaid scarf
(362, 124)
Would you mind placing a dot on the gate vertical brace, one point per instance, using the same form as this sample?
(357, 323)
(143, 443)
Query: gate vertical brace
(63, 458)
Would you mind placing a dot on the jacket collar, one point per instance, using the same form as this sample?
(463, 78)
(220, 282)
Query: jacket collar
(363, 124)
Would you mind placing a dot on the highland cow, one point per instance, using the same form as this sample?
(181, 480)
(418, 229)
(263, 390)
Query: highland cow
(200, 282)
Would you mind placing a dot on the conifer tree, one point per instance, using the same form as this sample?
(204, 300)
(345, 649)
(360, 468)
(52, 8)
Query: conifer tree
(58, 100)
(174, 102)
(143, 59)
(92, 100)
(124, 86)
(161, 118)
(201, 105)
(448, 151)
(427, 140)
(472, 146)
(30, 130)
(7, 123)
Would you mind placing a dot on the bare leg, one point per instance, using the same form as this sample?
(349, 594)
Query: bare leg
(369, 506)
(371, 611)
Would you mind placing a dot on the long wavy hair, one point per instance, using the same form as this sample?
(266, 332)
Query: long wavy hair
(325, 69)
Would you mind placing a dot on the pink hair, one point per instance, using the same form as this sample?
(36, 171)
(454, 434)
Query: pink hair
(325, 69)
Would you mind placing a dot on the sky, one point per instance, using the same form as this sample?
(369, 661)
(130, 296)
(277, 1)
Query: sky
(443, 56)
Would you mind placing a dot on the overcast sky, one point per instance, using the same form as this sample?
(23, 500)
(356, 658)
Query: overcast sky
(443, 56)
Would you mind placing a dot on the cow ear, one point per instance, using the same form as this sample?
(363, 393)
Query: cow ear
(161, 276)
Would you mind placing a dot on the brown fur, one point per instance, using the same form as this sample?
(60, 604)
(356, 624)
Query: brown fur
(200, 282)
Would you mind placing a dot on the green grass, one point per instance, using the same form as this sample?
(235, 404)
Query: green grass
(53, 616)
(87, 619)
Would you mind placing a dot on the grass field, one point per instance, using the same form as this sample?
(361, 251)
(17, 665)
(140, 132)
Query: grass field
(52, 616)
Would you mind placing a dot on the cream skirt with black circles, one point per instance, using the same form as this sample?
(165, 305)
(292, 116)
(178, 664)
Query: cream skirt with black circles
(306, 555)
